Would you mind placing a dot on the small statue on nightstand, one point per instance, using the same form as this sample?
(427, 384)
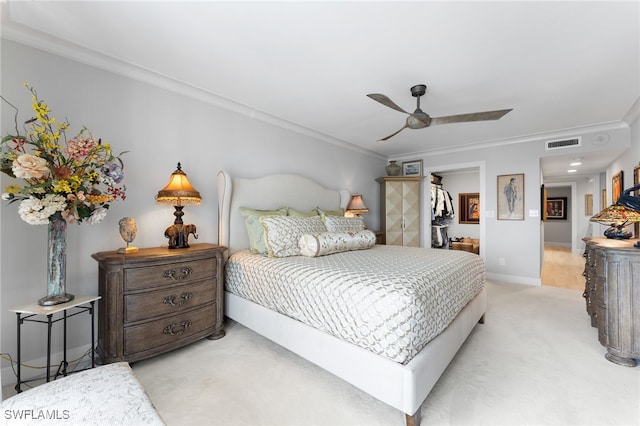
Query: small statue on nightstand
(128, 230)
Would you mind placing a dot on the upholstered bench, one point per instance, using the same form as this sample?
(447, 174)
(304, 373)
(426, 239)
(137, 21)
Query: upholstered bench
(106, 395)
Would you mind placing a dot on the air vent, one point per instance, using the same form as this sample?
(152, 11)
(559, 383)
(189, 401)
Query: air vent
(564, 143)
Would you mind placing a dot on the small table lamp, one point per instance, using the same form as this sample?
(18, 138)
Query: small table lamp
(179, 192)
(625, 210)
(356, 206)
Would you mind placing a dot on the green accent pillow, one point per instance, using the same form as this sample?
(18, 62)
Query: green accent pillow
(254, 227)
(301, 213)
(339, 212)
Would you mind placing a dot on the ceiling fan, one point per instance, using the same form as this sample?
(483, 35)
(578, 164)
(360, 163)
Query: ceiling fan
(420, 119)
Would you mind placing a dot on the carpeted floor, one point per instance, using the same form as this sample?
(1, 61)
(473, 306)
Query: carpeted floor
(536, 361)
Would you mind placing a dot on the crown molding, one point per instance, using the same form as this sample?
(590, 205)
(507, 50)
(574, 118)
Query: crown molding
(50, 44)
(555, 134)
(634, 113)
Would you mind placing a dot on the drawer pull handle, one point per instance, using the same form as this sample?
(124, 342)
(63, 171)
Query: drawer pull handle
(171, 300)
(171, 329)
(184, 273)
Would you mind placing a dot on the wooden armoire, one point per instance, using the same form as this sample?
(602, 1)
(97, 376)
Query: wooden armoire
(400, 209)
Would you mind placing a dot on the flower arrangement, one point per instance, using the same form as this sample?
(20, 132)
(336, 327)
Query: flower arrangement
(74, 179)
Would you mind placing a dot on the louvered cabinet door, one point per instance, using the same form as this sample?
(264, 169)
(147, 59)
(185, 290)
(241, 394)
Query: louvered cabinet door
(411, 214)
(393, 213)
(400, 209)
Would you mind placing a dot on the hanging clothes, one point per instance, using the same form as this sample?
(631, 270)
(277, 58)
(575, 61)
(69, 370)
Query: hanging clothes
(441, 202)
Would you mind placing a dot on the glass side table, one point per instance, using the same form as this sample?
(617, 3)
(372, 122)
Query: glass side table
(30, 313)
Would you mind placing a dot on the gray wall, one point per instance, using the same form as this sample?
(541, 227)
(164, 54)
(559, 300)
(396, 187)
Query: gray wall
(158, 127)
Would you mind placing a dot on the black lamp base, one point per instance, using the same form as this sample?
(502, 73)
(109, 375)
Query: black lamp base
(617, 233)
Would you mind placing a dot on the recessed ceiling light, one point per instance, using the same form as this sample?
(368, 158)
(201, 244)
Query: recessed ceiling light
(575, 163)
(571, 171)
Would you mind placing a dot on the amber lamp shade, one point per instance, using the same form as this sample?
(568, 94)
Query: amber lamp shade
(356, 206)
(617, 216)
(179, 192)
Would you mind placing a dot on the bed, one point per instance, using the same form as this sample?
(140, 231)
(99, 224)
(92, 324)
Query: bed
(399, 378)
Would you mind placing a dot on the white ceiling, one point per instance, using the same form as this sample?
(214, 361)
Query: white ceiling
(560, 65)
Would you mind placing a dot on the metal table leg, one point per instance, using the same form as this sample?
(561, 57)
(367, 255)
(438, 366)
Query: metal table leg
(19, 323)
(49, 324)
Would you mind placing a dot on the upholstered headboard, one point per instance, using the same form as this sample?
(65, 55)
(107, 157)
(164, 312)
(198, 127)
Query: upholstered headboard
(267, 193)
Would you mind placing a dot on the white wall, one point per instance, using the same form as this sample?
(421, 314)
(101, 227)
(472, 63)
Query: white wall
(159, 128)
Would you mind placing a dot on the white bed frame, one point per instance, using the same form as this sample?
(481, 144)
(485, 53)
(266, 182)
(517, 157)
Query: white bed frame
(404, 387)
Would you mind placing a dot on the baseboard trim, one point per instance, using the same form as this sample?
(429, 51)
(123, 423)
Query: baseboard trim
(514, 279)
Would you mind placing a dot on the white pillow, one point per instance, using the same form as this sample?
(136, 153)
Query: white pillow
(335, 242)
(343, 224)
(282, 233)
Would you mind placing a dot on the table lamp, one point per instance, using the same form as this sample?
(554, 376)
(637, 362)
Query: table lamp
(356, 206)
(179, 192)
(625, 210)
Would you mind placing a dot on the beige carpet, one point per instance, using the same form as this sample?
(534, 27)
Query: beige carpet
(536, 361)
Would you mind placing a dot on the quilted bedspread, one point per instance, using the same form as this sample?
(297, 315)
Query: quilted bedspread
(391, 300)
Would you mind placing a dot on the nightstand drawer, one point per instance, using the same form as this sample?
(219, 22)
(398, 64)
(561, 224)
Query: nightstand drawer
(168, 330)
(166, 301)
(170, 273)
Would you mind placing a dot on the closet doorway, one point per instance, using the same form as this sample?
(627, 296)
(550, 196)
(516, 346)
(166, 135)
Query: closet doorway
(456, 179)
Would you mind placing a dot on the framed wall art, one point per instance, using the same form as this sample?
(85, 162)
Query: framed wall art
(556, 208)
(412, 168)
(543, 203)
(588, 204)
(469, 207)
(616, 187)
(511, 197)
(636, 181)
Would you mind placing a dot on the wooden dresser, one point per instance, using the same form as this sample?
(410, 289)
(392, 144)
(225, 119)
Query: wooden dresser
(612, 293)
(157, 300)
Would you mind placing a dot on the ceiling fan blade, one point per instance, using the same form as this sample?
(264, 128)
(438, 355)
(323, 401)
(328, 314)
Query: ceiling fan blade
(384, 100)
(393, 134)
(474, 116)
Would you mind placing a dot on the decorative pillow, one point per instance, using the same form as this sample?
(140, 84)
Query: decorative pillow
(302, 213)
(343, 224)
(282, 233)
(254, 227)
(339, 212)
(335, 242)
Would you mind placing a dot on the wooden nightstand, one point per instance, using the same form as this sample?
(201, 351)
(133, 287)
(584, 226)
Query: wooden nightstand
(379, 237)
(158, 299)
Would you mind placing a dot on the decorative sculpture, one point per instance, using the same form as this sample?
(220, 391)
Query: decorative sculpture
(128, 231)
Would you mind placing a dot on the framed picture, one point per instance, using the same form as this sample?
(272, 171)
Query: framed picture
(543, 203)
(469, 207)
(557, 208)
(588, 204)
(616, 187)
(511, 197)
(636, 181)
(412, 168)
